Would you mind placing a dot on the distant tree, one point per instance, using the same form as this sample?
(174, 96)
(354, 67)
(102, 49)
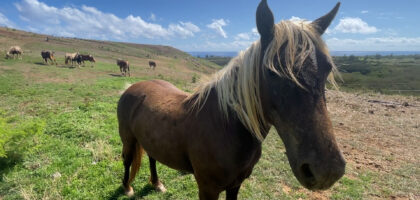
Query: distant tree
(378, 56)
(365, 58)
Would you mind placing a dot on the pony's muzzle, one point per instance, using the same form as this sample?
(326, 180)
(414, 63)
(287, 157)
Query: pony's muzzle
(321, 176)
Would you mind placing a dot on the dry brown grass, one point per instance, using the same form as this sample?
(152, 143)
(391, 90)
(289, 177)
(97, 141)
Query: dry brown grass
(380, 137)
(100, 150)
(381, 134)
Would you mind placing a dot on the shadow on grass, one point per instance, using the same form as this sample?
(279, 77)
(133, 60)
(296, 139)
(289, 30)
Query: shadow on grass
(41, 63)
(6, 164)
(147, 189)
(116, 75)
(66, 66)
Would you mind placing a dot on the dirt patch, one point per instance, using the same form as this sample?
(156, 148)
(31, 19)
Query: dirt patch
(375, 135)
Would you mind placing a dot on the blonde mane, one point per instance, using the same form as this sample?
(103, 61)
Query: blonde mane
(238, 86)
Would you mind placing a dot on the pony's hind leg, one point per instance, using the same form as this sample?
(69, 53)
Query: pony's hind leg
(154, 179)
(132, 153)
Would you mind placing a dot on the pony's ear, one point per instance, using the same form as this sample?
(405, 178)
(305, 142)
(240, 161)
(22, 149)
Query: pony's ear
(321, 24)
(265, 23)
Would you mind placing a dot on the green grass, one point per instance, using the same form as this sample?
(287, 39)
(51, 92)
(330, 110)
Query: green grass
(61, 141)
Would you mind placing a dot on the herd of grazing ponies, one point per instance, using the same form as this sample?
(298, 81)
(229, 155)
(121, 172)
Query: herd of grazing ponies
(16, 52)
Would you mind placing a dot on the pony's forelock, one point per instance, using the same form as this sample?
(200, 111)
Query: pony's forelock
(238, 86)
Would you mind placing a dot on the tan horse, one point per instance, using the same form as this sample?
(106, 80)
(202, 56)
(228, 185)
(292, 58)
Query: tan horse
(70, 57)
(216, 133)
(14, 52)
(124, 67)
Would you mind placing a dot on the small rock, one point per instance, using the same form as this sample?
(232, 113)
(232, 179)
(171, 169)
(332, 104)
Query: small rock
(56, 175)
(390, 106)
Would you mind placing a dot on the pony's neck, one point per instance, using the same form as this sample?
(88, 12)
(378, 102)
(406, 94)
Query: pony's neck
(231, 121)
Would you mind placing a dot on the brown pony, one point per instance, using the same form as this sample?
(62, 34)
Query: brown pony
(124, 67)
(152, 64)
(15, 52)
(48, 55)
(216, 133)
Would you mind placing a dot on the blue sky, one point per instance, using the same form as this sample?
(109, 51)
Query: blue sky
(216, 25)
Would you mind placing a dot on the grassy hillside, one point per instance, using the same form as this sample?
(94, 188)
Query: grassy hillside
(384, 74)
(59, 130)
(220, 60)
(167, 58)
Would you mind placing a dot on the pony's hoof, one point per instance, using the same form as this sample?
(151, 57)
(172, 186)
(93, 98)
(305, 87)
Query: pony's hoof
(129, 191)
(160, 187)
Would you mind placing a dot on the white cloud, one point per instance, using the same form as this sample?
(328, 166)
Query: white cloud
(254, 32)
(4, 21)
(243, 36)
(241, 42)
(248, 36)
(218, 25)
(184, 29)
(354, 25)
(89, 22)
(296, 19)
(375, 44)
(152, 17)
(364, 11)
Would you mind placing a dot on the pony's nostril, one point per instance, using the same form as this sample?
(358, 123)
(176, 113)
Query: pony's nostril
(306, 171)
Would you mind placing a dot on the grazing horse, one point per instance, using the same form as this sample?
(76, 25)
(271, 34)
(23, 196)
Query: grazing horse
(124, 67)
(70, 57)
(15, 52)
(216, 132)
(89, 57)
(152, 64)
(48, 55)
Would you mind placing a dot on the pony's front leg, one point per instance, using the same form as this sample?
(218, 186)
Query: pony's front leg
(232, 193)
(208, 194)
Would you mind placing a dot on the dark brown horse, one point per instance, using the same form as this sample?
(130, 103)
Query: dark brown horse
(87, 57)
(48, 55)
(124, 67)
(216, 133)
(152, 64)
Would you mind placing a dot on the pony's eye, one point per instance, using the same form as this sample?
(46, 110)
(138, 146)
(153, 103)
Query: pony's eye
(272, 74)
